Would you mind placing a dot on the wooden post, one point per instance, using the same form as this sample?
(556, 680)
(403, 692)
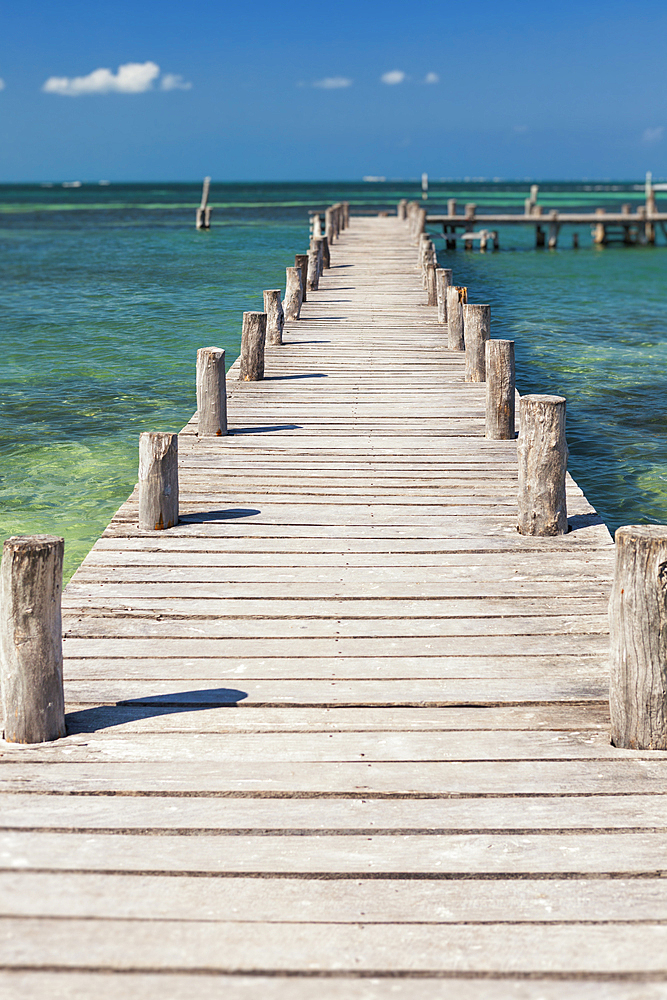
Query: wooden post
(326, 255)
(253, 339)
(542, 456)
(316, 244)
(431, 287)
(313, 270)
(317, 227)
(527, 207)
(401, 210)
(211, 392)
(626, 208)
(443, 279)
(158, 481)
(346, 214)
(455, 299)
(328, 225)
(638, 638)
(500, 390)
(31, 646)
(470, 212)
(292, 302)
(451, 206)
(420, 223)
(336, 209)
(476, 332)
(600, 231)
(575, 241)
(301, 261)
(203, 213)
(275, 316)
(554, 227)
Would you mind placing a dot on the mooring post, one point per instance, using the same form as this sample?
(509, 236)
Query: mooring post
(456, 297)
(346, 214)
(328, 225)
(317, 226)
(275, 316)
(554, 227)
(211, 392)
(542, 457)
(638, 638)
(431, 287)
(293, 294)
(326, 254)
(401, 210)
(451, 207)
(420, 223)
(313, 271)
(600, 230)
(443, 279)
(301, 261)
(253, 339)
(31, 646)
(500, 390)
(336, 210)
(476, 332)
(158, 481)
(203, 213)
(317, 245)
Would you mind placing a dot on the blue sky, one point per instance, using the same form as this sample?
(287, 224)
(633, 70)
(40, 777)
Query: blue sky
(488, 89)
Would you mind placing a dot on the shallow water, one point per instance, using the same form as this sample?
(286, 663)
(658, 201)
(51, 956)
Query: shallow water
(107, 292)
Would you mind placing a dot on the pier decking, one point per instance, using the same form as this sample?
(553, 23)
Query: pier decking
(343, 722)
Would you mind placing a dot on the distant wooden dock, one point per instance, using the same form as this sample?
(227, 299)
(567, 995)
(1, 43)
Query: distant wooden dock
(627, 226)
(342, 730)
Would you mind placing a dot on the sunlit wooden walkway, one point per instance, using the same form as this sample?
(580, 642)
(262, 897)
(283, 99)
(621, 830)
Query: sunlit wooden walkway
(342, 732)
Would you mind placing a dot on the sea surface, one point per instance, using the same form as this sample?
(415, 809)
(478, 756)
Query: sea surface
(107, 291)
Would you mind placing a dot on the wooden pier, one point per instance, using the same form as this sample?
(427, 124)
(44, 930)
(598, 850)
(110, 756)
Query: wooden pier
(626, 226)
(342, 731)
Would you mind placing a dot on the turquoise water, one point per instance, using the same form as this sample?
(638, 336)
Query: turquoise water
(107, 292)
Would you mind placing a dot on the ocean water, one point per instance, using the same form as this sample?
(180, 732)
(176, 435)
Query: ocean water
(106, 292)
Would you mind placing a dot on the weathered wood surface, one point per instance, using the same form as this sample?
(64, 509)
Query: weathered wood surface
(343, 721)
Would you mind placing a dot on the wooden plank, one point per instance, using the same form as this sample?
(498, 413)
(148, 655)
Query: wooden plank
(366, 948)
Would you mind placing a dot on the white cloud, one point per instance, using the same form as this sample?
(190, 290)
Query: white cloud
(333, 82)
(131, 78)
(431, 78)
(393, 76)
(174, 81)
(654, 134)
(2, 84)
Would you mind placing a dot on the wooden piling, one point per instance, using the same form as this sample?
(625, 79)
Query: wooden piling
(326, 254)
(451, 206)
(554, 228)
(253, 339)
(600, 230)
(500, 390)
(346, 214)
(638, 638)
(293, 292)
(158, 481)
(456, 298)
(328, 225)
(301, 261)
(203, 213)
(275, 316)
(317, 226)
(542, 458)
(443, 279)
(313, 280)
(211, 392)
(31, 649)
(431, 287)
(476, 332)
(401, 210)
